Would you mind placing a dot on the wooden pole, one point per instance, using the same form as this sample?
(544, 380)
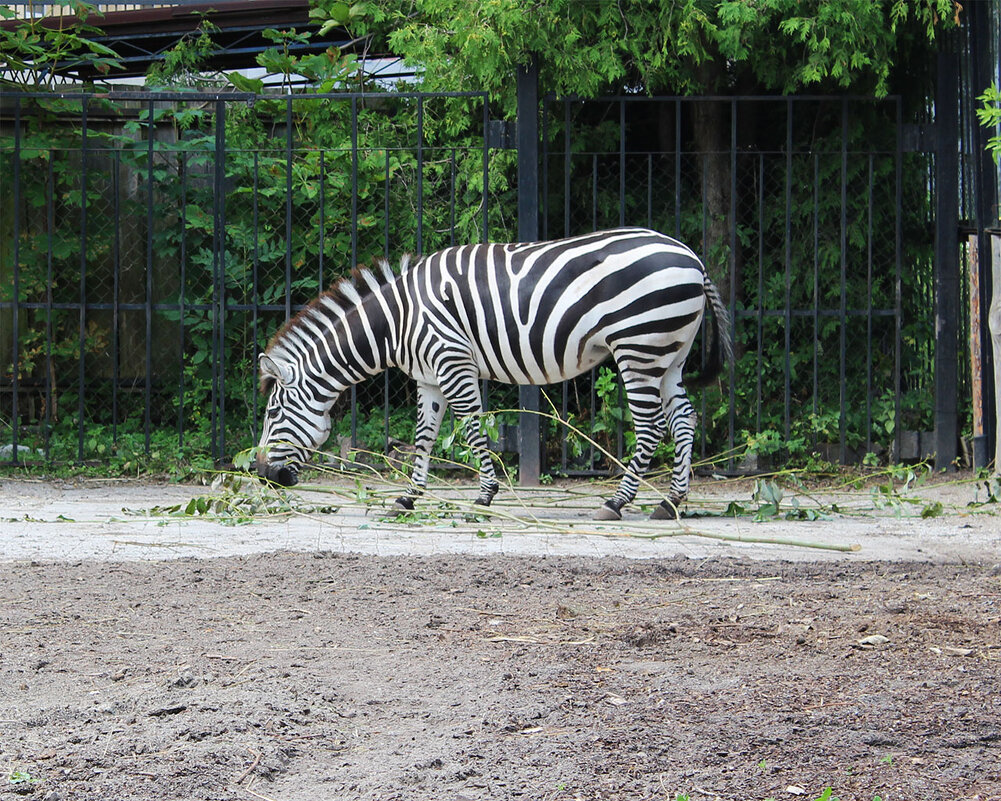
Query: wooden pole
(979, 445)
(994, 322)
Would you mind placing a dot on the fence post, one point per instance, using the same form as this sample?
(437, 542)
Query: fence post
(219, 287)
(529, 430)
(946, 271)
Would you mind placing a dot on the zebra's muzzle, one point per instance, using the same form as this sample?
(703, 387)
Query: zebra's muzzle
(283, 475)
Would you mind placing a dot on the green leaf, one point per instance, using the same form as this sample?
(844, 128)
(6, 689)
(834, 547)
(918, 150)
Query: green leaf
(245, 84)
(933, 509)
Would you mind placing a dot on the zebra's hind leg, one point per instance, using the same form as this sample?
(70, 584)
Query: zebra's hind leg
(489, 485)
(431, 407)
(648, 419)
(681, 419)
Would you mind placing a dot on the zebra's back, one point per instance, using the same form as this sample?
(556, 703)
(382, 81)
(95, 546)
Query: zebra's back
(541, 312)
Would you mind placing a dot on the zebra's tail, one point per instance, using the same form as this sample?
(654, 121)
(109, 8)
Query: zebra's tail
(721, 342)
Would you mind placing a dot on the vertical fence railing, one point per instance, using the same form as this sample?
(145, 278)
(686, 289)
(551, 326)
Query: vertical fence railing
(181, 269)
(806, 219)
(812, 281)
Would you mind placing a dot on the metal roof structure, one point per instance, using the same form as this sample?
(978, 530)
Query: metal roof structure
(141, 32)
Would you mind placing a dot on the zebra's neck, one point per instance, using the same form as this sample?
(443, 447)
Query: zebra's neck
(342, 341)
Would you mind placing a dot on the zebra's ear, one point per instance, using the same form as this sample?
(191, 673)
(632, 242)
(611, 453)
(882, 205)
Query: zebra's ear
(279, 370)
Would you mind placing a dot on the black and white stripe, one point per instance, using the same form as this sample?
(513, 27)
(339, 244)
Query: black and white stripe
(522, 313)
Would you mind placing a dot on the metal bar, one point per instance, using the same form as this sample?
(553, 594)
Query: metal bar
(354, 247)
(451, 196)
(787, 366)
(148, 310)
(816, 290)
(256, 311)
(213, 97)
(759, 373)
(50, 229)
(567, 165)
(219, 299)
(15, 418)
(354, 183)
(649, 190)
(946, 270)
(353, 394)
(385, 202)
(868, 329)
(183, 166)
(288, 208)
(82, 367)
(593, 406)
(622, 165)
(545, 167)
(116, 269)
(529, 430)
(322, 214)
(485, 195)
(732, 414)
(897, 275)
(565, 433)
(594, 192)
(420, 176)
(843, 334)
(385, 411)
(677, 169)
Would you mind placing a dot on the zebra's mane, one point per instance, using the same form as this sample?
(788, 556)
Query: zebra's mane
(343, 295)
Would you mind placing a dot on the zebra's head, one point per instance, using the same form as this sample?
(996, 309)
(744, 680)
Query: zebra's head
(295, 425)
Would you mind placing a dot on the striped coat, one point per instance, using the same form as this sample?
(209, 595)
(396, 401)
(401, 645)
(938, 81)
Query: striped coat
(522, 313)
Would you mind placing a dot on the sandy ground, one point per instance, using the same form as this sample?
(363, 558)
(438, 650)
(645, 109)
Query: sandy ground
(534, 655)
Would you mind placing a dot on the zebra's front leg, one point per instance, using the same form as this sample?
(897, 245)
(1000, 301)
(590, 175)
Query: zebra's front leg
(681, 419)
(650, 430)
(431, 405)
(463, 393)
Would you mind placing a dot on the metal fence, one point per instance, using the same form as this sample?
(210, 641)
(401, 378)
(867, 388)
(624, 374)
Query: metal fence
(152, 242)
(806, 210)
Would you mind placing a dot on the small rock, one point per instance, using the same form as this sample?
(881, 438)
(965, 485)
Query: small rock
(872, 641)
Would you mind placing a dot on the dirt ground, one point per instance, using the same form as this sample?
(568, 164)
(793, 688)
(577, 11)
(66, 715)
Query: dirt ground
(325, 673)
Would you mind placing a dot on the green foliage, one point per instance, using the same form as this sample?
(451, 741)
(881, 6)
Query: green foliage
(346, 207)
(237, 500)
(31, 50)
(688, 47)
(183, 66)
(342, 203)
(989, 115)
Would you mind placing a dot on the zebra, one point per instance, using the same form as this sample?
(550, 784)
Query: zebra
(520, 313)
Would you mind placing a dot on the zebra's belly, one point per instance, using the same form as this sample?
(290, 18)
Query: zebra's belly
(536, 371)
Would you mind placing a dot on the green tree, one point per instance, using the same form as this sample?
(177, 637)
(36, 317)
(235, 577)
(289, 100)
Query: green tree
(690, 47)
(589, 47)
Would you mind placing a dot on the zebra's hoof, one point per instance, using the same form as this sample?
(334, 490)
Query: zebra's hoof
(666, 511)
(401, 506)
(606, 512)
(481, 502)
